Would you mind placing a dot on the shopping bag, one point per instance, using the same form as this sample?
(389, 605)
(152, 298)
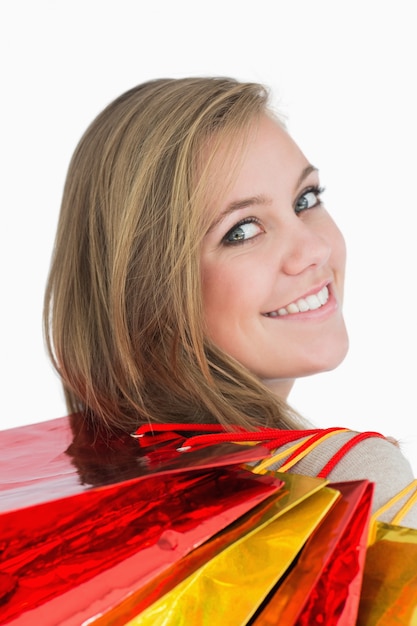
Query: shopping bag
(232, 587)
(67, 559)
(389, 590)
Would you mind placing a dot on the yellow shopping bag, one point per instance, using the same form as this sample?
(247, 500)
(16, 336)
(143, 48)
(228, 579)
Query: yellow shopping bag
(389, 590)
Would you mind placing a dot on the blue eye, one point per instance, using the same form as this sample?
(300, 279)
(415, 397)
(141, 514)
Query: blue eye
(308, 199)
(243, 231)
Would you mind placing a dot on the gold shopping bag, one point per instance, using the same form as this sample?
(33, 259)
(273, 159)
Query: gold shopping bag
(389, 590)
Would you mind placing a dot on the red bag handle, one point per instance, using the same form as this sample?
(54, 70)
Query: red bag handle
(212, 434)
(343, 451)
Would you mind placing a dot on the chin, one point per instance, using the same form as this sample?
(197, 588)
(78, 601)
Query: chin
(320, 359)
(330, 361)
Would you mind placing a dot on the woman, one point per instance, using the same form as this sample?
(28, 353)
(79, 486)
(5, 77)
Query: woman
(196, 273)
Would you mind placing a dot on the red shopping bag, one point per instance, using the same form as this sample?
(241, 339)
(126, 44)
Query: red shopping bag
(85, 520)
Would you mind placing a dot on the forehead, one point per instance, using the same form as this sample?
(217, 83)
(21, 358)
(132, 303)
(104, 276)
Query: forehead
(243, 164)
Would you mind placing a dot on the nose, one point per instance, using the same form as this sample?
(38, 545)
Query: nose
(305, 248)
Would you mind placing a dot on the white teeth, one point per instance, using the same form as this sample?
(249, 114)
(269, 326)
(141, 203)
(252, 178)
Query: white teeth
(309, 303)
(303, 305)
(323, 295)
(291, 308)
(313, 302)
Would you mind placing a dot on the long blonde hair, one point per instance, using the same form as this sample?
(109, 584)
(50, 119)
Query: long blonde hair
(123, 314)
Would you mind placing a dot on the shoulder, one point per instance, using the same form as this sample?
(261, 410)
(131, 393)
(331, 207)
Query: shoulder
(376, 459)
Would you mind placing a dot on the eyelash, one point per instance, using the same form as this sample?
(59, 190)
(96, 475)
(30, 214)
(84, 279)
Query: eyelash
(237, 242)
(316, 190)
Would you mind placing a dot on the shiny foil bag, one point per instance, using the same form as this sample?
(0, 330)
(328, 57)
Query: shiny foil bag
(86, 520)
(389, 590)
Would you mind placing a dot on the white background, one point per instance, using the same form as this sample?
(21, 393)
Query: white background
(343, 72)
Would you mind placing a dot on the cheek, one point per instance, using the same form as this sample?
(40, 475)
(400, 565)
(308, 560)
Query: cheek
(219, 290)
(228, 291)
(234, 282)
(217, 307)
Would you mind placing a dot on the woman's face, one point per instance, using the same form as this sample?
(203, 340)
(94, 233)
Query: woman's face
(273, 265)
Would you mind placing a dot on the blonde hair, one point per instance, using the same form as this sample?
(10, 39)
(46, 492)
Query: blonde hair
(123, 314)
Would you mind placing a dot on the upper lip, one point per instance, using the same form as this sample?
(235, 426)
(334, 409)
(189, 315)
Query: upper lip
(313, 290)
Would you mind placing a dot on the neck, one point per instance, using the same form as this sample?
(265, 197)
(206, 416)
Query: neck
(280, 387)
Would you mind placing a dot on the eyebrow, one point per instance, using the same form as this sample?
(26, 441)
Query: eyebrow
(306, 172)
(258, 200)
(240, 204)
(243, 204)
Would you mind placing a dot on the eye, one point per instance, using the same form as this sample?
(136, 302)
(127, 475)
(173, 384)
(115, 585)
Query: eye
(308, 199)
(243, 231)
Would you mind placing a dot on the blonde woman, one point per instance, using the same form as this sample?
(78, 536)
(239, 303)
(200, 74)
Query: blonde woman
(196, 273)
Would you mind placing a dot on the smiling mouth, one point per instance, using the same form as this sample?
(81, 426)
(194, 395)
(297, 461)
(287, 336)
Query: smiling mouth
(309, 303)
